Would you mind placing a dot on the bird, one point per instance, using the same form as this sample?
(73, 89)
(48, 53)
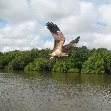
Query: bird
(59, 50)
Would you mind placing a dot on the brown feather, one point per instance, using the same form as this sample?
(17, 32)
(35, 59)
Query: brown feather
(58, 36)
(72, 44)
(59, 50)
(67, 47)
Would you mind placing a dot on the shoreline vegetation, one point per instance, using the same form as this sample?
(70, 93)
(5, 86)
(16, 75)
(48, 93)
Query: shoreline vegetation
(79, 60)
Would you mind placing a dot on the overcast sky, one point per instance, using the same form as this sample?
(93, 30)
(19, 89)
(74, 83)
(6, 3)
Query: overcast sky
(22, 23)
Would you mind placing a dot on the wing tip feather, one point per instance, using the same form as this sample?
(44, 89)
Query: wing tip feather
(52, 27)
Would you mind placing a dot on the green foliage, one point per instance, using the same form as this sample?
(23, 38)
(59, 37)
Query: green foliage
(78, 56)
(73, 70)
(18, 63)
(18, 60)
(5, 58)
(79, 60)
(1, 54)
(39, 64)
(74, 62)
(39, 60)
(61, 66)
(99, 62)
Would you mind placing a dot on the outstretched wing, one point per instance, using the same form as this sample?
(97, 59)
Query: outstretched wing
(59, 38)
(73, 43)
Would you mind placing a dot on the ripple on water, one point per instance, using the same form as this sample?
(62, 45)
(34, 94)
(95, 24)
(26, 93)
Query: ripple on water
(54, 92)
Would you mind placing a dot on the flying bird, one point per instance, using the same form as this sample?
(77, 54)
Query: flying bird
(59, 50)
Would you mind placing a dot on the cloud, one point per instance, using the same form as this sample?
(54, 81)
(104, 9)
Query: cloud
(24, 36)
(23, 23)
(14, 11)
(105, 13)
(19, 35)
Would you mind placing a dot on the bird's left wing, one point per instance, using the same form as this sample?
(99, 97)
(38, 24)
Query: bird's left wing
(72, 44)
(58, 36)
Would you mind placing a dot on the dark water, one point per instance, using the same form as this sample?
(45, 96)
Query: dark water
(54, 92)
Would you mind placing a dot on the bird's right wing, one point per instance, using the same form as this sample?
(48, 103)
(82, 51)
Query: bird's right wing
(58, 36)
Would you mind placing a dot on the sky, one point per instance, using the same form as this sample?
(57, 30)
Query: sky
(23, 23)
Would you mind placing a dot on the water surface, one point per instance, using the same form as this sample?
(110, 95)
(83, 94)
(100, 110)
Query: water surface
(46, 91)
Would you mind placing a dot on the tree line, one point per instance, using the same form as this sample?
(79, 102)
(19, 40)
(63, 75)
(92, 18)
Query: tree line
(80, 59)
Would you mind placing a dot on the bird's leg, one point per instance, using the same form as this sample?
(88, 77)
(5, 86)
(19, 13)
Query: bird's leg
(64, 54)
(51, 57)
(74, 45)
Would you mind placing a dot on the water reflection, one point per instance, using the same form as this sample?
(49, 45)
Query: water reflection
(46, 91)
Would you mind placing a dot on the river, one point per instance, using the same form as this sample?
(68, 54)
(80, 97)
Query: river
(35, 91)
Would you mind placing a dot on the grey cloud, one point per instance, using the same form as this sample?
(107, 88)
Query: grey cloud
(26, 23)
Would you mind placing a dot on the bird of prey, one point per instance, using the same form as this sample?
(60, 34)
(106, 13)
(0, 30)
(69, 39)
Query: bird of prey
(59, 50)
